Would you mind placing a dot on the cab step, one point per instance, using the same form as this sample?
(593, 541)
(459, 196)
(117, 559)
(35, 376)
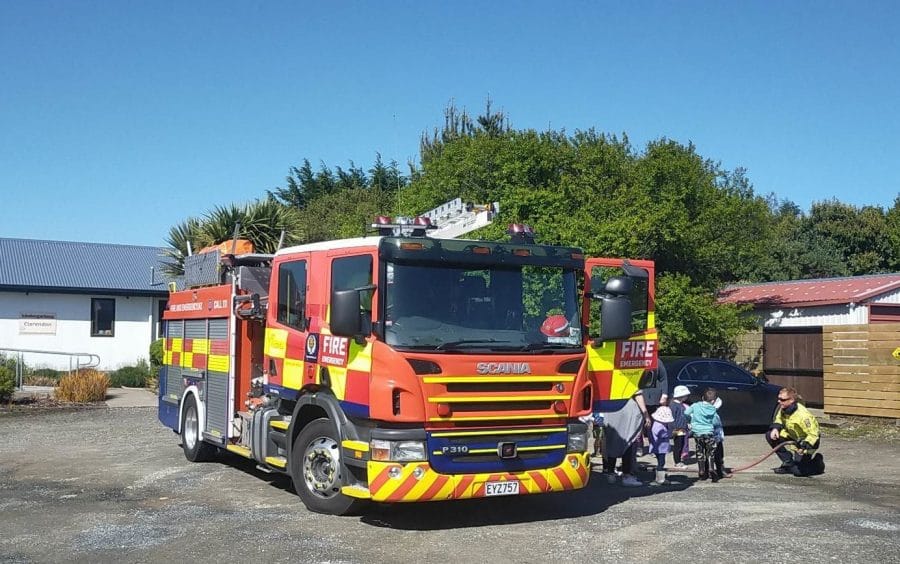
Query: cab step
(281, 424)
(357, 491)
(277, 461)
(238, 449)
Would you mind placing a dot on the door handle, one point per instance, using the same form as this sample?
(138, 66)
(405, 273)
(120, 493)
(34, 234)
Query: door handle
(731, 388)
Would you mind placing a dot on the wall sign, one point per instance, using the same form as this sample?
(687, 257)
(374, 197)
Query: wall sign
(37, 324)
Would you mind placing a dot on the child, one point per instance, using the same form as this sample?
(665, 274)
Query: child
(659, 441)
(704, 418)
(641, 451)
(679, 426)
(719, 437)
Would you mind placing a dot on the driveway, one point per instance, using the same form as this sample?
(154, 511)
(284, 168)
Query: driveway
(112, 485)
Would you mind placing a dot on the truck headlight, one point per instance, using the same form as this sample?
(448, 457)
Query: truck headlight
(578, 438)
(397, 451)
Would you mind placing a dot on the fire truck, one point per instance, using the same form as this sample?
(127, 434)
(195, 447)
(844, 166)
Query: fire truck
(402, 367)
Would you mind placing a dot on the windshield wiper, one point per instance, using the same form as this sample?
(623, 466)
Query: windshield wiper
(549, 346)
(456, 344)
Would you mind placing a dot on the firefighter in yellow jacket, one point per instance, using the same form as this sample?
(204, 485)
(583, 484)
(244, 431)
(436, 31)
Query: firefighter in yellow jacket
(793, 422)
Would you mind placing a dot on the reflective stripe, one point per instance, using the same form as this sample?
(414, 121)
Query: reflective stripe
(338, 378)
(217, 363)
(292, 374)
(276, 342)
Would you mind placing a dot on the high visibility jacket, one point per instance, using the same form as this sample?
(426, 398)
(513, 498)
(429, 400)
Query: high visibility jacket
(801, 425)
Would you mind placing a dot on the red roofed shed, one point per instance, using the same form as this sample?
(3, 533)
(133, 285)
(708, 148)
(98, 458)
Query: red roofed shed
(832, 339)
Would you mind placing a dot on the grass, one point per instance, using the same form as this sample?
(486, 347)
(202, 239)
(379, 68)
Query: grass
(875, 428)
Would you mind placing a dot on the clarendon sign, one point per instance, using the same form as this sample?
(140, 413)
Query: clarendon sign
(37, 324)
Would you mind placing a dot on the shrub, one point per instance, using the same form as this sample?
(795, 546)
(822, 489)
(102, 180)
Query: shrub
(156, 354)
(84, 386)
(43, 377)
(8, 362)
(130, 376)
(7, 383)
(32, 380)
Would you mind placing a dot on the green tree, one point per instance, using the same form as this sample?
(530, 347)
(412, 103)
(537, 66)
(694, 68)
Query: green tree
(859, 234)
(690, 322)
(261, 222)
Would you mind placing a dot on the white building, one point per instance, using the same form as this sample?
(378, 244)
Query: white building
(98, 300)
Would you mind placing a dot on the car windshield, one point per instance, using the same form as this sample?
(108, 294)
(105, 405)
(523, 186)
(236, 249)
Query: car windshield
(442, 307)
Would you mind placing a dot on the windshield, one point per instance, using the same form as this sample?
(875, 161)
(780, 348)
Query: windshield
(496, 307)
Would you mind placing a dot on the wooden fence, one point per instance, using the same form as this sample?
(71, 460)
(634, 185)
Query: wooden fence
(861, 376)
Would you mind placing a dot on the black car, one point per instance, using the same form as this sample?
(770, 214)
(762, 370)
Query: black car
(746, 399)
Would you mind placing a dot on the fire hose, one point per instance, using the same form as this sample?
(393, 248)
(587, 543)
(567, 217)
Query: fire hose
(759, 460)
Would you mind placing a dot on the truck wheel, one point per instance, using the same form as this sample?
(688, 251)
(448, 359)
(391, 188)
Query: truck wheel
(317, 470)
(195, 449)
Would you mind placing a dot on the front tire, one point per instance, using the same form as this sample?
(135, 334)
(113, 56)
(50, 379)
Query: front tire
(318, 472)
(195, 449)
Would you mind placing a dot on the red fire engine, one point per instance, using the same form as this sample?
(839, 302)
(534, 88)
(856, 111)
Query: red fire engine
(401, 367)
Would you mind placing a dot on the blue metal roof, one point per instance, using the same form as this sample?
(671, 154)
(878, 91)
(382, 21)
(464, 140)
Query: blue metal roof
(71, 267)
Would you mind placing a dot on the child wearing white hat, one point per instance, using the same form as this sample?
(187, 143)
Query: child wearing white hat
(659, 441)
(679, 426)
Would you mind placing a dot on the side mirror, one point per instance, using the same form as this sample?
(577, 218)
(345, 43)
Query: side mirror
(619, 286)
(615, 318)
(345, 318)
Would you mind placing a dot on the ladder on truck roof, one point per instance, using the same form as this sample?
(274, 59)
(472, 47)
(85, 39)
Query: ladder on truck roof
(456, 218)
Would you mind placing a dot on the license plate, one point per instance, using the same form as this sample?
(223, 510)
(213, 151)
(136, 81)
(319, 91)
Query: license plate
(509, 487)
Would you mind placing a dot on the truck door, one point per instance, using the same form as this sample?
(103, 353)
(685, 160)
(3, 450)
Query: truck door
(287, 329)
(617, 369)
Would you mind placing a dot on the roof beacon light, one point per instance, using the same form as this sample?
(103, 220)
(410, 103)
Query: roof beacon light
(402, 226)
(521, 233)
(421, 225)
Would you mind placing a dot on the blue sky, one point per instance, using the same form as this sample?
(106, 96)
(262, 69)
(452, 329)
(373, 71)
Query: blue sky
(119, 119)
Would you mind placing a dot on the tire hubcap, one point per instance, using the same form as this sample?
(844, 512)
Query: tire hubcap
(322, 467)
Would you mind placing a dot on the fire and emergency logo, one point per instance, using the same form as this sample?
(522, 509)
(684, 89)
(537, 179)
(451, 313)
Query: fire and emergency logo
(636, 354)
(311, 354)
(334, 350)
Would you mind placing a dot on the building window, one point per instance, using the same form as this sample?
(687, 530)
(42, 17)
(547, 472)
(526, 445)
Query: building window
(160, 311)
(103, 317)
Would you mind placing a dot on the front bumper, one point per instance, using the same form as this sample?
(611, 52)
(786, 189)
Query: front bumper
(417, 481)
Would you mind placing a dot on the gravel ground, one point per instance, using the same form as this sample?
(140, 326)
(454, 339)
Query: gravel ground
(105, 485)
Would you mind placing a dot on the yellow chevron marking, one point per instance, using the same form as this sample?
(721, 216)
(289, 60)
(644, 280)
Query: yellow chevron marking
(494, 379)
(481, 399)
(237, 449)
(284, 425)
(355, 445)
(278, 461)
(448, 490)
(500, 417)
